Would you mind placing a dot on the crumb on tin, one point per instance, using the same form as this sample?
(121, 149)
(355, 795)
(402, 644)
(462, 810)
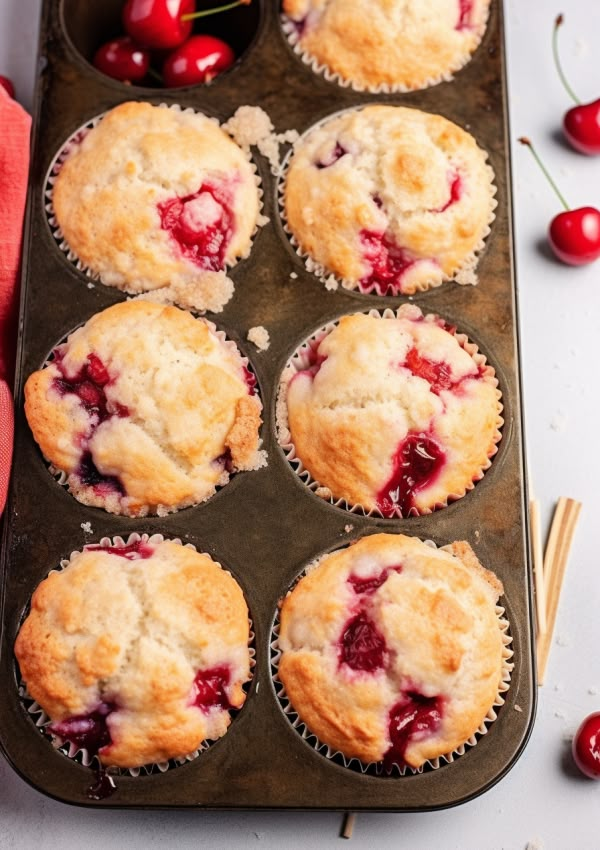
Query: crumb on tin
(260, 337)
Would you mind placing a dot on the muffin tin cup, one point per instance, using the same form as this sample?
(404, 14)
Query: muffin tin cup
(268, 525)
(293, 36)
(201, 302)
(466, 275)
(376, 768)
(300, 360)
(62, 477)
(71, 751)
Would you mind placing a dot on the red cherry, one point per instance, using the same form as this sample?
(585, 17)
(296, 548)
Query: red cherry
(574, 234)
(199, 60)
(581, 123)
(586, 746)
(582, 127)
(123, 60)
(7, 84)
(158, 23)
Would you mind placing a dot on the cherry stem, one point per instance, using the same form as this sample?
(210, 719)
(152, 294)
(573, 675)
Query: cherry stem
(525, 141)
(557, 25)
(155, 75)
(191, 16)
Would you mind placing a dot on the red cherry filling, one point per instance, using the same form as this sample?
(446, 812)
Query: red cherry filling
(455, 193)
(335, 154)
(87, 730)
(362, 647)
(201, 224)
(209, 690)
(388, 263)
(465, 11)
(438, 374)
(415, 717)
(133, 552)
(417, 462)
(88, 384)
(250, 379)
(369, 585)
(90, 476)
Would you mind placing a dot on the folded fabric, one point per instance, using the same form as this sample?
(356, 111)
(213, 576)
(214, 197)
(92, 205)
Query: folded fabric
(15, 126)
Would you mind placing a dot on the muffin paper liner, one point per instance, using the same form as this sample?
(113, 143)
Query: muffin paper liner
(300, 360)
(41, 720)
(465, 274)
(292, 34)
(63, 154)
(261, 459)
(376, 768)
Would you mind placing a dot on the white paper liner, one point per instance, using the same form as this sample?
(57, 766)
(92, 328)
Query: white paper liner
(64, 152)
(290, 30)
(41, 720)
(465, 275)
(261, 459)
(377, 768)
(299, 361)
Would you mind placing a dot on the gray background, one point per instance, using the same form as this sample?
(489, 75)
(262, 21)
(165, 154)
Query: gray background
(543, 801)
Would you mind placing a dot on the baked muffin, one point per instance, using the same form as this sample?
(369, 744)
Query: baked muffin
(397, 45)
(137, 652)
(395, 414)
(155, 197)
(390, 200)
(392, 650)
(145, 409)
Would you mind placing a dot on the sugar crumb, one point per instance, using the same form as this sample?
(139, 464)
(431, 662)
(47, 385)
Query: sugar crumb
(323, 492)
(208, 291)
(260, 337)
(558, 687)
(331, 283)
(90, 285)
(251, 126)
(518, 708)
(87, 527)
(348, 528)
(592, 691)
(294, 275)
(535, 844)
(560, 714)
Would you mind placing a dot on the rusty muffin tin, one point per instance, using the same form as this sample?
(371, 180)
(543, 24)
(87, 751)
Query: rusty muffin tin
(264, 526)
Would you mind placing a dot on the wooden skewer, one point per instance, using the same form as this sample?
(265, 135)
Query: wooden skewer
(538, 567)
(556, 557)
(348, 824)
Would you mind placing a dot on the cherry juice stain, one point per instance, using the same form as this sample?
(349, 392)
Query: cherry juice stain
(414, 717)
(417, 462)
(368, 586)
(388, 261)
(209, 689)
(361, 646)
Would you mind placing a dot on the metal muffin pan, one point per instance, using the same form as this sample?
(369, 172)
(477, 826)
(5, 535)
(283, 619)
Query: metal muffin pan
(264, 526)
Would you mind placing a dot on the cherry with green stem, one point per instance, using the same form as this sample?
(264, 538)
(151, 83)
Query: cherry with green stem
(581, 123)
(574, 235)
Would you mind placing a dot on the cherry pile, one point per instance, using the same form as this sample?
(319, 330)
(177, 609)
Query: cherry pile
(159, 33)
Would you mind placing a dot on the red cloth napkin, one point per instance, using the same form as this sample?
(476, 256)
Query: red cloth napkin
(15, 127)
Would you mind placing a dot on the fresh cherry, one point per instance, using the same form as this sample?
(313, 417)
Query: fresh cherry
(158, 23)
(581, 123)
(165, 23)
(574, 235)
(7, 84)
(122, 60)
(198, 60)
(586, 746)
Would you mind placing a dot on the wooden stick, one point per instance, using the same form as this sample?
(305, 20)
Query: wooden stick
(562, 530)
(348, 824)
(538, 567)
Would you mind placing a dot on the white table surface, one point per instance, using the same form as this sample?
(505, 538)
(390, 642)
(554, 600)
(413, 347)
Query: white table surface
(542, 801)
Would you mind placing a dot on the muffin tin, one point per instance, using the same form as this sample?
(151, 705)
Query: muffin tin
(264, 526)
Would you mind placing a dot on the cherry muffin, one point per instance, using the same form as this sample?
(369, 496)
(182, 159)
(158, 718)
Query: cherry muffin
(396, 414)
(393, 651)
(154, 197)
(137, 652)
(386, 45)
(389, 200)
(145, 409)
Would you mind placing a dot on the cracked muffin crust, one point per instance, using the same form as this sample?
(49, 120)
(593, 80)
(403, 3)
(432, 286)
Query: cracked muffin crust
(155, 197)
(396, 414)
(395, 44)
(390, 200)
(137, 652)
(392, 650)
(145, 409)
